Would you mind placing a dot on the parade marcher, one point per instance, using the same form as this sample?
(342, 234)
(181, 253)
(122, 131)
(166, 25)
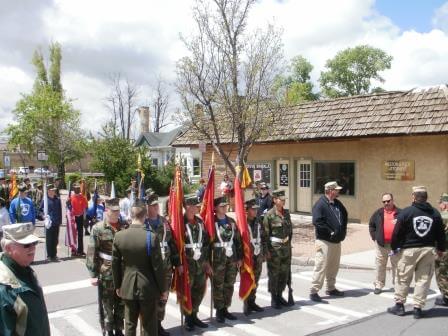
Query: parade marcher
(278, 227)
(55, 213)
(99, 264)
(125, 206)
(4, 191)
(37, 196)
(330, 223)
(4, 217)
(197, 250)
(227, 259)
(381, 226)
(442, 263)
(79, 207)
(264, 200)
(259, 247)
(138, 273)
(168, 250)
(21, 209)
(418, 230)
(22, 304)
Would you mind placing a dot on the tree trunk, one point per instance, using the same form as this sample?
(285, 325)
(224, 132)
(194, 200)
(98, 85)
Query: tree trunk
(61, 174)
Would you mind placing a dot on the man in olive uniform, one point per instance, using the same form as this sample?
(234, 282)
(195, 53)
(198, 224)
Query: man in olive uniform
(442, 263)
(138, 274)
(197, 250)
(168, 249)
(99, 264)
(259, 247)
(278, 226)
(4, 191)
(227, 258)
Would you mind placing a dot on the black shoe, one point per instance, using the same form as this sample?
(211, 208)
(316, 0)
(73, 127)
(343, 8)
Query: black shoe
(398, 309)
(418, 313)
(86, 233)
(229, 316)
(189, 325)
(282, 301)
(162, 331)
(254, 307)
(274, 302)
(377, 291)
(119, 332)
(220, 316)
(110, 333)
(315, 297)
(441, 301)
(335, 292)
(246, 308)
(197, 322)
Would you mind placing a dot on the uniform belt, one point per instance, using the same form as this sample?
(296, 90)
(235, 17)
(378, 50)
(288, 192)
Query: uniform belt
(199, 245)
(279, 240)
(222, 244)
(105, 256)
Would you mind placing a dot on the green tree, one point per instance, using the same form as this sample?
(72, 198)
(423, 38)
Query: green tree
(352, 70)
(45, 118)
(295, 87)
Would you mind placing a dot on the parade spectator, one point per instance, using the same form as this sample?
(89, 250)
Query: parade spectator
(125, 206)
(22, 209)
(226, 188)
(201, 190)
(264, 200)
(55, 213)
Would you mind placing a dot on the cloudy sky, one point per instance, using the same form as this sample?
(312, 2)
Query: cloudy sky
(140, 40)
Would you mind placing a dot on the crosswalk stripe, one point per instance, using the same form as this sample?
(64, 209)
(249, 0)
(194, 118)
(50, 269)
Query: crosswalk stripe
(54, 331)
(82, 326)
(63, 313)
(62, 287)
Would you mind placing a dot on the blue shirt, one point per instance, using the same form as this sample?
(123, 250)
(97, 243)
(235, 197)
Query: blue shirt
(22, 210)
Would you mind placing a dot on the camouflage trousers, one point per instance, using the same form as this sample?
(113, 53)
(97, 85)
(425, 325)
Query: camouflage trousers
(279, 266)
(442, 274)
(161, 307)
(224, 276)
(258, 265)
(113, 307)
(198, 281)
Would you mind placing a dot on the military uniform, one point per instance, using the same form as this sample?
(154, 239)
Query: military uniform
(99, 264)
(137, 269)
(442, 263)
(278, 227)
(227, 250)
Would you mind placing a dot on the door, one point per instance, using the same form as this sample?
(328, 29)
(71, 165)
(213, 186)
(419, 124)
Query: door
(304, 185)
(283, 179)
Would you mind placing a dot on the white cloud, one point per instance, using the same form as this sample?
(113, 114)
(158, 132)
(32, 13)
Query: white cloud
(440, 19)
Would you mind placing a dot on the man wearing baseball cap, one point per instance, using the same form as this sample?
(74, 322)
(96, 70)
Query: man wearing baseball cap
(22, 209)
(22, 308)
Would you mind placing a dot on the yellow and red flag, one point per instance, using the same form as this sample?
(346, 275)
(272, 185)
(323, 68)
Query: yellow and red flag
(247, 276)
(181, 281)
(14, 188)
(207, 208)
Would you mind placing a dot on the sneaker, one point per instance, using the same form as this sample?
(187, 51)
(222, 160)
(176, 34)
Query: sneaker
(441, 301)
(315, 297)
(335, 292)
(398, 309)
(377, 291)
(418, 313)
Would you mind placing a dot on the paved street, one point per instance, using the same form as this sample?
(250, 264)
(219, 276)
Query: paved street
(71, 303)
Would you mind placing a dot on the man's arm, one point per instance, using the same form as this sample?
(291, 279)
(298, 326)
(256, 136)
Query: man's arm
(117, 271)
(372, 226)
(320, 222)
(92, 257)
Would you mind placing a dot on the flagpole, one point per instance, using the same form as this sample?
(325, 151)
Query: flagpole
(211, 259)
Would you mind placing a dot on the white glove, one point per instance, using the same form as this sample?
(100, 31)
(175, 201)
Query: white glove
(47, 222)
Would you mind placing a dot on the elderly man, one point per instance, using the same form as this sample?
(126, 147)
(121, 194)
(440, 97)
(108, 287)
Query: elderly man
(418, 230)
(22, 309)
(264, 200)
(330, 222)
(381, 226)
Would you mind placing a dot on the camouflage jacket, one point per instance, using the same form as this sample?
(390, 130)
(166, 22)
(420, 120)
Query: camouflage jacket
(99, 250)
(225, 232)
(258, 235)
(204, 244)
(278, 226)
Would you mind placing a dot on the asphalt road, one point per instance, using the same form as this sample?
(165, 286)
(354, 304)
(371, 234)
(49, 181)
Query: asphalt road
(72, 306)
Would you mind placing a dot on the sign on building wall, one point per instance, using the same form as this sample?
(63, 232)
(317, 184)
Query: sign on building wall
(260, 172)
(284, 173)
(399, 170)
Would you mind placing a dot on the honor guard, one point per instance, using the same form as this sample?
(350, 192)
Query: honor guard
(227, 258)
(99, 264)
(197, 250)
(168, 249)
(259, 247)
(278, 226)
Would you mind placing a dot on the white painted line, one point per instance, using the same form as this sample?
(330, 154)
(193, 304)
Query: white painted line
(54, 331)
(82, 326)
(63, 313)
(66, 286)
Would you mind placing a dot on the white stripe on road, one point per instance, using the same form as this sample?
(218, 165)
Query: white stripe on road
(67, 286)
(82, 326)
(54, 331)
(63, 313)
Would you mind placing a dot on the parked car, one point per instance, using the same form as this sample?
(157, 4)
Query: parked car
(24, 170)
(42, 171)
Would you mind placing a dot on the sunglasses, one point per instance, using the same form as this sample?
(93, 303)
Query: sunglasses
(29, 245)
(387, 201)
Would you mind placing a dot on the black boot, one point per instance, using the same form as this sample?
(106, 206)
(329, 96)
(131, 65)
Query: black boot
(229, 316)
(246, 308)
(189, 325)
(255, 307)
(220, 316)
(162, 331)
(197, 322)
(274, 302)
(282, 301)
(398, 309)
(119, 332)
(110, 333)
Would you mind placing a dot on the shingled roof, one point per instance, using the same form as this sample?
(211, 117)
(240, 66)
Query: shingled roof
(158, 139)
(418, 111)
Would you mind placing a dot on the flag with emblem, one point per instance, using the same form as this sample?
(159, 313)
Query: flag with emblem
(181, 281)
(207, 208)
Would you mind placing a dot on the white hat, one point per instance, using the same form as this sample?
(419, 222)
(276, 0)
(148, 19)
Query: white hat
(332, 185)
(419, 189)
(22, 233)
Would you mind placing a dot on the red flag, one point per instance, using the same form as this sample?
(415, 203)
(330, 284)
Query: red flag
(71, 235)
(247, 282)
(14, 189)
(181, 282)
(207, 208)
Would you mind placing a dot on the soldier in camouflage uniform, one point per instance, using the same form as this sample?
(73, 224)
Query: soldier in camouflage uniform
(278, 227)
(197, 250)
(168, 249)
(227, 258)
(259, 247)
(442, 263)
(99, 264)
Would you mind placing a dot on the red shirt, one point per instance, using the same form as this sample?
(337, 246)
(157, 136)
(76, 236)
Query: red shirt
(389, 224)
(79, 204)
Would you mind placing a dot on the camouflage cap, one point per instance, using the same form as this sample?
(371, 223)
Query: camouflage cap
(138, 203)
(220, 201)
(444, 197)
(251, 204)
(50, 186)
(191, 200)
(279, 194)
(113, 204)
(152, 199)
(22, 233)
